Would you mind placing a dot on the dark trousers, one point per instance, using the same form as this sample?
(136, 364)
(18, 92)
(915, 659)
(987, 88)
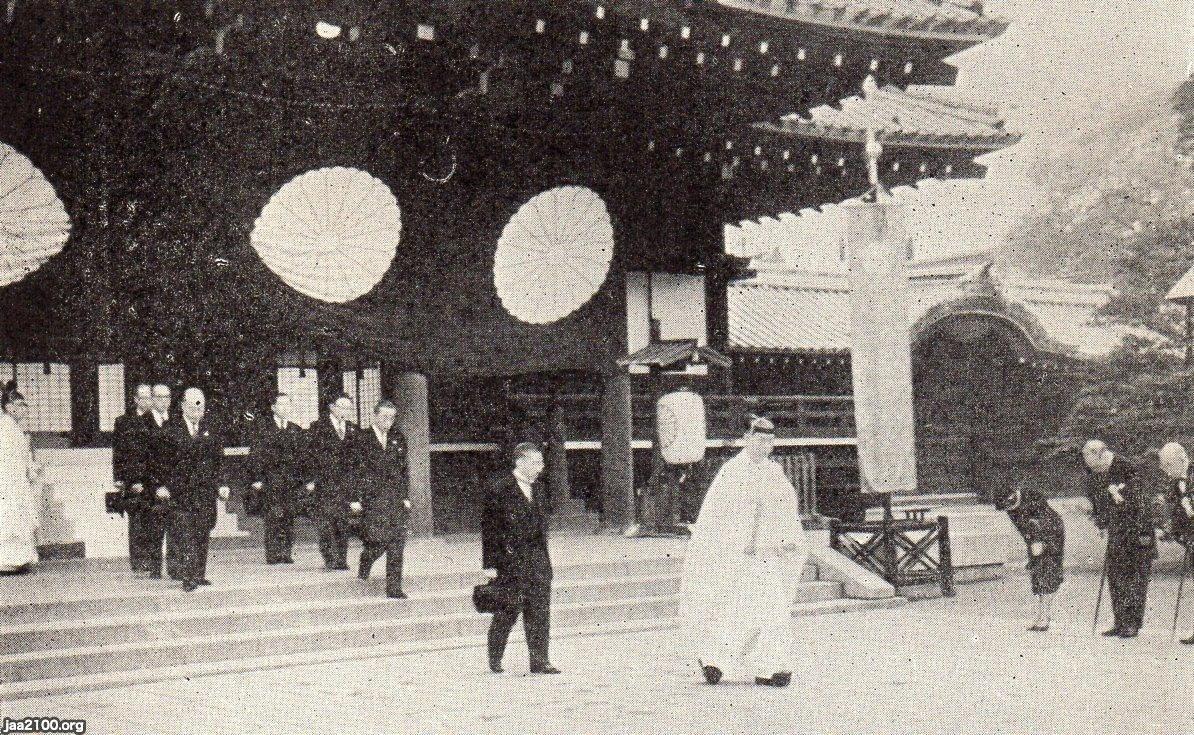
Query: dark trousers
(333, 537)
(536, 623)
(139, 538)
(153, 526)
(392, 547)
(279, 532)
(193, 528)
(1128, 575)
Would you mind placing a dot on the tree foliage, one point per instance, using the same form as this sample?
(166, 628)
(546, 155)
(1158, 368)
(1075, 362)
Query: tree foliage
(1132, 224)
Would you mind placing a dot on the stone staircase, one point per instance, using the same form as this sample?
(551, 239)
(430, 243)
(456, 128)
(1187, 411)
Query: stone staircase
(141, 630)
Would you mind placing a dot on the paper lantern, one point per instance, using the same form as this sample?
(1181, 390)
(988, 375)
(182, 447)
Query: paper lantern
(553, 254)
(34, 224)
(680, 426)
(330, 233)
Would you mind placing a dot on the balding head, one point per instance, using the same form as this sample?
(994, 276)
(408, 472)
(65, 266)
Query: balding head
(1096, 455)
(193, 404)
(1174, 460)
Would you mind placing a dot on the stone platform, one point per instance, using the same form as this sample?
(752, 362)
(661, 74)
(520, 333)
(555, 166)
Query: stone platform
(93, 624)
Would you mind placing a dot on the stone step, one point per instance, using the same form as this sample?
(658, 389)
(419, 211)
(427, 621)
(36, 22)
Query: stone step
(163, 597)
(241, 644)
(52, 636)
(561, 628)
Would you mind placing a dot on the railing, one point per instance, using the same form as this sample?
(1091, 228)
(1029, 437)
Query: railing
(794, 416)
(900, 551)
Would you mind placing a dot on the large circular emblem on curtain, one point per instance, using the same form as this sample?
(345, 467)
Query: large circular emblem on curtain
(330, 233)
(34, 224)
(553, 254)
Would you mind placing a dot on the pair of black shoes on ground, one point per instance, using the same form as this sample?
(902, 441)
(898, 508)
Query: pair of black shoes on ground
(496, 667)
(1122, 632)
(287, 560)
(191, 586)
(1188, 641)
(778, 679)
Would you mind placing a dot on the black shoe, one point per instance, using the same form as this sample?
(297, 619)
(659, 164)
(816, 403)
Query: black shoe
(273, 561)
(763, 681)
(1129, 632)
(288, 560)
(399, 595)
(362, 575)
(544, 669)
(204, 582)
(339, 568)
(712, 674)
(496, 667)
(781, 679)
(189, 586)
(1111, 633)
(1188, 641)
(155, 575)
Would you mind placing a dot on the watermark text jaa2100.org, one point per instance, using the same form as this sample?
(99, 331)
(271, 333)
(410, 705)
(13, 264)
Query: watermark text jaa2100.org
(42, 726)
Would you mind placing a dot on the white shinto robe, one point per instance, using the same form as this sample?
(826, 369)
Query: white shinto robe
(736, 608)
(18, 499)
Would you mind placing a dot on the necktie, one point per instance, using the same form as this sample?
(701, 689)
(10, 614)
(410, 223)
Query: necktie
(192, 428)
(340, 430)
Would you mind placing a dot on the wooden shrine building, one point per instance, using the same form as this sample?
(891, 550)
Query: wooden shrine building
(428, 200)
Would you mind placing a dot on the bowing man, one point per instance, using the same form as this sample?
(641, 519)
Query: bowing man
(380, 494)
(331, 477)
(195, 484)
(277, 475)
(514, 531)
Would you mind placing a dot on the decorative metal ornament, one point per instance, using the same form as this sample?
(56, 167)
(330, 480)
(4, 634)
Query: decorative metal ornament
(34, 225)
(553, 254)
(330, 234)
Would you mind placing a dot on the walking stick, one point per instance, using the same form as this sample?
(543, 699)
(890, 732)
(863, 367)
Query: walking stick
(1094, 626)
(1177, 608)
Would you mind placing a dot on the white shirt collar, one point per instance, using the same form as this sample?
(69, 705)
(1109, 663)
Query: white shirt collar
(380, 436)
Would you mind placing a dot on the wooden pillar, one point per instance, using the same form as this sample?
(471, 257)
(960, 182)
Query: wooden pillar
(414, 422)
(558, 486)
(617, 454)
(84, 403)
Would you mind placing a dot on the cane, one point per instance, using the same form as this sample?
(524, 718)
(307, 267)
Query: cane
(1094, 626)
(1177, 608)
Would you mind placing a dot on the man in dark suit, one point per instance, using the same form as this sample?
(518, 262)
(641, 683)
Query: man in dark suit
(1120, 508)
(514, 530)
(128, 450)
(331, 478)
(276, 473)
(380, 494)
(156, 466)
(194, 485)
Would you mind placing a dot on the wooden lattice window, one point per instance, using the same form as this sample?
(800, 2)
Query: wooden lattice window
(47, 391)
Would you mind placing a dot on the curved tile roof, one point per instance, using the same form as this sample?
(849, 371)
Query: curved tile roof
(810, 312)
(959, 21)
(919, 116)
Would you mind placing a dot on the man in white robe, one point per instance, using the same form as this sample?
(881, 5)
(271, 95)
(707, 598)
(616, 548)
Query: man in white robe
(19, 501)
(743, 565)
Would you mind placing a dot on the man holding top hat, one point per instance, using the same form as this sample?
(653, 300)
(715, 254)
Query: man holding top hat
(743, 565)
(1121, 510)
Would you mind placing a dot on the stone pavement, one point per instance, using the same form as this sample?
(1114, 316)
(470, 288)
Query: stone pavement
(943, 666)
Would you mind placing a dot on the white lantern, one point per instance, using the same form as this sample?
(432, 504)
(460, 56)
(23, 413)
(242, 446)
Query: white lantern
(680, 427)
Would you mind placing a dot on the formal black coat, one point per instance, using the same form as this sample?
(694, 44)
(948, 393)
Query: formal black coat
(157, 461)
(514, 532)
(1181, 524)
(380, 482)
(1128, 522)
(275, 460)
(330, 465)
(1037, 522)
(129, 436)
(197, 474)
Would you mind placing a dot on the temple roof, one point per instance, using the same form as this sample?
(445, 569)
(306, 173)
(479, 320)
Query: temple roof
(810, 312)
(951, 20)
(919, 116)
